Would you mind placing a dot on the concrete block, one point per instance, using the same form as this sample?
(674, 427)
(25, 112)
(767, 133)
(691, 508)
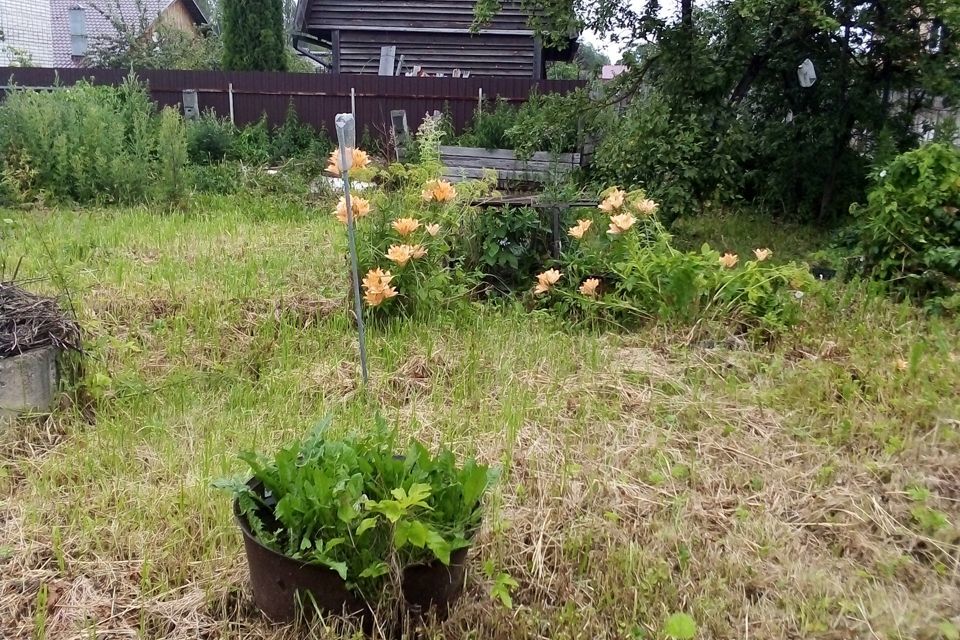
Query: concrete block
(28, 382)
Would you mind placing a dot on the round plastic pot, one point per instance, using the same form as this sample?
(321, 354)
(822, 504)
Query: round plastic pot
(280, 583)
(431, 589)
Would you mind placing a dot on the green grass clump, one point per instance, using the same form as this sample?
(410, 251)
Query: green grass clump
(741, 232)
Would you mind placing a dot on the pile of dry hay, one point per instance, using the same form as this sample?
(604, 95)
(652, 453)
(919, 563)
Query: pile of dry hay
(29, 321)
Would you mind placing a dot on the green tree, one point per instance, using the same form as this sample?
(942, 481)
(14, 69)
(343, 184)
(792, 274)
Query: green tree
(140, 38)
(165, 47)
(590, 59)
(253, 35)
(725, 73)
(586, 64)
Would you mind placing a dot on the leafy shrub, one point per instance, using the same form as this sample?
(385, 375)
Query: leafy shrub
(790, 169)
(508, 245)
(252, 143)
(909, 229)
(213, 139)
(84, 143)
(563, 71)
(292, 138)
(166, 47)
(414, 242)
(295, 139)
(549, 122)
(223, 178)
(210, 139)
(552, 122)
(672, 155)
(489, 127)
(410, 243)
(356, 507)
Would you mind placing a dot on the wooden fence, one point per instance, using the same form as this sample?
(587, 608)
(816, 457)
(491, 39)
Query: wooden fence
(316, 97)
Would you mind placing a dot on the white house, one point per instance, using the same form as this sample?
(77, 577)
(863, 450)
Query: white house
(25, 27)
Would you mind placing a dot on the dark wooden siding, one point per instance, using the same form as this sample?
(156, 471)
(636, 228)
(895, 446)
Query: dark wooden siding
(316, 97)
(398, 15)
(481, 55)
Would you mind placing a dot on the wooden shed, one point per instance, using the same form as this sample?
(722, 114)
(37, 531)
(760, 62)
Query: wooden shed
(434, 35)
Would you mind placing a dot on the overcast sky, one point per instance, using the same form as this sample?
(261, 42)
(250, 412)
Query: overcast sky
(602, 42)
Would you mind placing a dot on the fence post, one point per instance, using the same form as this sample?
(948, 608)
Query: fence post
(233, 120)
(353, 103)
(480, 101)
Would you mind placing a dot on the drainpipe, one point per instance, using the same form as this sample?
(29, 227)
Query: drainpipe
(297, 39)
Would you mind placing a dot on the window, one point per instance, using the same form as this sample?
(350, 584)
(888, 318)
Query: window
(78, 31)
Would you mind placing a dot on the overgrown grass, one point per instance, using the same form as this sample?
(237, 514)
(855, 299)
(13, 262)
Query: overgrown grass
(743, 231)
(791, 491)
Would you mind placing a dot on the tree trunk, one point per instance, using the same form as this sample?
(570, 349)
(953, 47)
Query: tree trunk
(754, 67)
(686, 15)
(841, 140)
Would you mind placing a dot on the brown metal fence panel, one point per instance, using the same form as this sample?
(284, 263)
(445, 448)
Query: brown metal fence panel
(317, 98)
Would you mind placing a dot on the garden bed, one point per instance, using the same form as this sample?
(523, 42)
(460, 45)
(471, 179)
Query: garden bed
(470, 163)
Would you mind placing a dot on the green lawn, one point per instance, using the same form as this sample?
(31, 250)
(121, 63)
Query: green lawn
(806, 489)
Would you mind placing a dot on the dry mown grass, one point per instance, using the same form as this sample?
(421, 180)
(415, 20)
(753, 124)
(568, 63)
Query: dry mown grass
(791, 491)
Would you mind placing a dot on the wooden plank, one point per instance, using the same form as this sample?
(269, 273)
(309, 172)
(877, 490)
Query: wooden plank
(469, 173)
(537, 59)
(477, 71)
(448, 53)
(328, 14)
(509, 165)
(503, 163)
(535, 201)
(389, 36)
(336, 51)
(416, 56)
(361, 25)
(388, 55)
(508, 8)
(388, 10)
(506, 154)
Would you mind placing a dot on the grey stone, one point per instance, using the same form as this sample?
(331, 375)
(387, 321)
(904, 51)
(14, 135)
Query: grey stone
(28, 382)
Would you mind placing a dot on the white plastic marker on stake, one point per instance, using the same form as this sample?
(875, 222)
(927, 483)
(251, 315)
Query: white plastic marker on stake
(347, 137)
(806, 73)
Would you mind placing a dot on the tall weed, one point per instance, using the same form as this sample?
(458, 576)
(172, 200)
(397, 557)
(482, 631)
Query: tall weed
(82, 144)
(210, 139)
(172, 148)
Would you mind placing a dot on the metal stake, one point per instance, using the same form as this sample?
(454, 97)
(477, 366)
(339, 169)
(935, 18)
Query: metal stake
(346, 135)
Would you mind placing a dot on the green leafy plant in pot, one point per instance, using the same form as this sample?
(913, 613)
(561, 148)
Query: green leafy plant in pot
(348, 526)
